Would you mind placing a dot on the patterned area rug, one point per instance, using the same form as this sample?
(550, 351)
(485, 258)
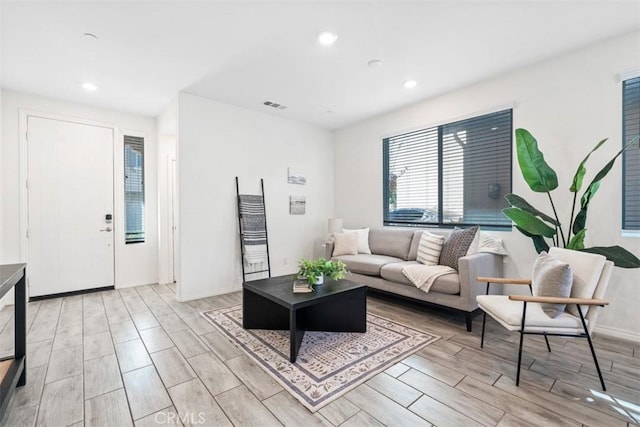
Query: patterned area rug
(329, 364)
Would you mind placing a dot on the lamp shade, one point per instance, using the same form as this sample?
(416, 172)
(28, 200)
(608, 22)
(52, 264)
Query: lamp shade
(335, 225)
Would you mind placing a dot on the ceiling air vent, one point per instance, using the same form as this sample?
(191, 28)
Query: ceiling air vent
(274, 105)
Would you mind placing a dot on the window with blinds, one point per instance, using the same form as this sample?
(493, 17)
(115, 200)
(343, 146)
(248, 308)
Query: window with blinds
(631, 156)
(452, 174)
(134, 189)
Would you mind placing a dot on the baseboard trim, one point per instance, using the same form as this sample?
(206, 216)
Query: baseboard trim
(70, 294)
(622, 334)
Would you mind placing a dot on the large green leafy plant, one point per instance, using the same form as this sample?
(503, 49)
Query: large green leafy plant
(541, 178)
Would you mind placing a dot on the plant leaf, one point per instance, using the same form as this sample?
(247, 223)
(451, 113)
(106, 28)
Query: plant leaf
(581, 218)
(536, 172)
(576, 184)
(528, 222)
(577, 241)
(538, 241)
(518, 202)
(620, 256)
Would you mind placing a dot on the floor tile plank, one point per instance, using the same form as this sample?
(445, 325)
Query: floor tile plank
(382, 408)
(458, 400)
(215, 375)
(172, 367)
(188, 343)
(62, 402)
(257, 380)
(292, 413)
(394, 389)
(192, 399)
(101, 375)
(243, 409)
(145, 392)
(132, 355)
(109, 409)
(512, 404)
(156, 339)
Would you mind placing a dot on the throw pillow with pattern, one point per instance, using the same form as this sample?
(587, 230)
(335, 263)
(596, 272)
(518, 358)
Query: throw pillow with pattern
(456, 246)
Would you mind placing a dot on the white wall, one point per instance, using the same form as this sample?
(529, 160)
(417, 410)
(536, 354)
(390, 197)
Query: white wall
(569, 104)
(218, 142)
(135, 263)
(167, 139)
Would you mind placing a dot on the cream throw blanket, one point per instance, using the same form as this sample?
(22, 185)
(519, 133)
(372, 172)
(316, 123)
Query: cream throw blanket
(423, 276)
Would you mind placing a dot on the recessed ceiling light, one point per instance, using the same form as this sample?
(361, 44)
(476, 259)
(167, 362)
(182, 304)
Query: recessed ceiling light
(374, 63)
(91, 35)
(410, 84)
(89, 87)
(327, 38)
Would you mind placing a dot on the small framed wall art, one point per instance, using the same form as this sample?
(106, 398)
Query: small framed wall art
(297, 205)
(296, 176)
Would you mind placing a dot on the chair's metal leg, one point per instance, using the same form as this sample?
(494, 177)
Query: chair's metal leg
(524, 313)
(545, 336)
(484, 320)
(593, 352)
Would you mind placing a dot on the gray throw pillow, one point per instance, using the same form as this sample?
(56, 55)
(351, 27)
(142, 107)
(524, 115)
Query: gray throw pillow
(456, 246)
(551, 278)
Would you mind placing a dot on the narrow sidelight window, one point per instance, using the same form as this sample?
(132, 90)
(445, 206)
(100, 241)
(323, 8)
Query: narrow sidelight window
(134, 189)
(631, 156)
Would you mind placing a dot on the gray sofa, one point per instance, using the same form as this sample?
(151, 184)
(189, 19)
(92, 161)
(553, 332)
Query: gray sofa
(391, 249)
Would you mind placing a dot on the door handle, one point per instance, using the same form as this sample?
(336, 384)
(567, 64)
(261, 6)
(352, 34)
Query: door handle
(108, 229)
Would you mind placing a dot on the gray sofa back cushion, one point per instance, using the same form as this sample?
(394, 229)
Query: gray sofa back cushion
(395, 243)
(413, 251)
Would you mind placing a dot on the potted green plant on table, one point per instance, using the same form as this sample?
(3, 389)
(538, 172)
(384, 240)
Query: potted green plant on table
(541, 178)
(315, 270)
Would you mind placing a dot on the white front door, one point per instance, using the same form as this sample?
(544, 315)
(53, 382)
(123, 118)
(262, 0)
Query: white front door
(70, 194)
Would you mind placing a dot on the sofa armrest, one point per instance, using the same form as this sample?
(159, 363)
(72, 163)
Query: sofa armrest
(472, 266)
(328, 250)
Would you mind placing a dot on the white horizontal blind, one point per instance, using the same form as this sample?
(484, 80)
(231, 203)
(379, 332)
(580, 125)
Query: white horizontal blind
(134, 189)
(413, 175)
(631, 157)
(457, 173)
(477, 169)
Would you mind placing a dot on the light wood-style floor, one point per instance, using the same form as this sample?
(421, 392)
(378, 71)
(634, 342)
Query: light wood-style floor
(137, 356)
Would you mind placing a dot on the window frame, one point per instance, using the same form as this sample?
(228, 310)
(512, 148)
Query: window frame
(140, 236)
(440, 223)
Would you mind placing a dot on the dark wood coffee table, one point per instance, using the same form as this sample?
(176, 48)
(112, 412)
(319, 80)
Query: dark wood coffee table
(336, 306)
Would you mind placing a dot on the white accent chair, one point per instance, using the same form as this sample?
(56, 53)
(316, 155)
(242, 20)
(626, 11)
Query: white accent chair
(523, 313)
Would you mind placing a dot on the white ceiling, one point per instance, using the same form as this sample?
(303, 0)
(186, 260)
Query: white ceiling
(244, 53)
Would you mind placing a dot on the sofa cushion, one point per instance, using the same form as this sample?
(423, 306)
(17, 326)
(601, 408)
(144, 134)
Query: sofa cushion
(394, 243)
(345, 244)
(363, 239)
(413, 251)
(456, 246)
(369, 265)
(447, 284)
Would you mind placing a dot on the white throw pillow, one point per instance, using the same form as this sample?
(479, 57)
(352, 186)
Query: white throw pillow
(363, 239)
(345, 244)
(429, 248)
(490, 244)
